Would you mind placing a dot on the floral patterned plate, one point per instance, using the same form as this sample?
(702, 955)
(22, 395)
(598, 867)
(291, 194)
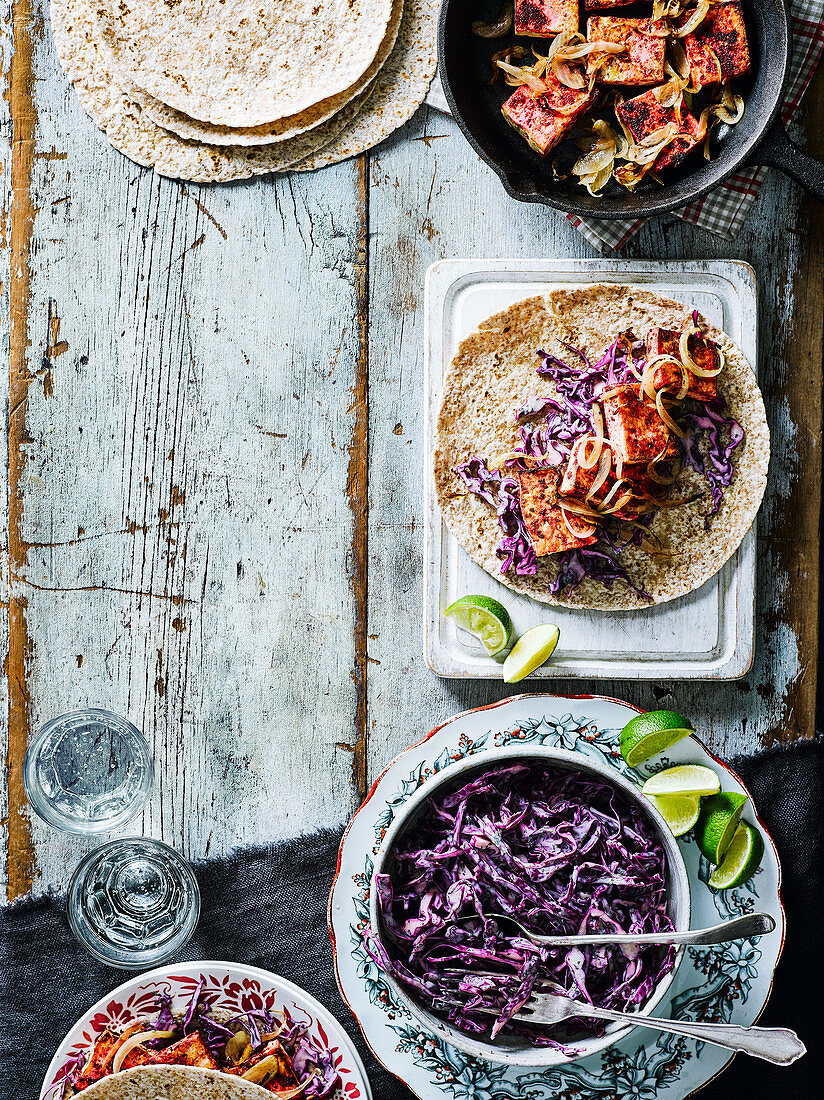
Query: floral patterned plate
(729, 983)
(229, 986)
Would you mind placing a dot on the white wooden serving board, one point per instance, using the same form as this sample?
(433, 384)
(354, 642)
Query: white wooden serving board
(708, 634)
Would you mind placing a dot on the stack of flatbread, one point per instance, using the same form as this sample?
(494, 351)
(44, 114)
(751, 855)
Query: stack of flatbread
(216, 90)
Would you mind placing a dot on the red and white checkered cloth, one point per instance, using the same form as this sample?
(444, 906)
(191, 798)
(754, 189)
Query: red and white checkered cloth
(723, 210)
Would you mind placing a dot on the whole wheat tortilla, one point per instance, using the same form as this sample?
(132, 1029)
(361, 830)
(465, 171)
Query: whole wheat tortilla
(400, 88)
(493, 373)
(173, 1083)
(86, 63)
(244, 62)
(194, 130)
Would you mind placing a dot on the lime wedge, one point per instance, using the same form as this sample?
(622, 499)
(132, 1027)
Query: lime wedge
(530, 652)
(485, 619)
(718, 822)
(680, 811)
(683, 779)
(742, 860)
(648, 734)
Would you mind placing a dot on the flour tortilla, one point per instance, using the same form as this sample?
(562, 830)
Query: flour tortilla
(400, 88)
(244, 62)
(173, 1083)
(494, 372)
(87, 64)
(194, 130)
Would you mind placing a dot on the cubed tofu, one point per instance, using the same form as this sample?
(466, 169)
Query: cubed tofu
(665, 341)
(577, 482)
(97, 1065)
(188, 1051)
(544, 519)
(717, 49)
(643, 62)
(634, 428)
(542, 126)
(643, 115)
(281, 1076)
(545, 18)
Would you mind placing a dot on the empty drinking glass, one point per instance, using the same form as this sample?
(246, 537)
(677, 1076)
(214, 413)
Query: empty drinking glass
(133, 902)
(88, 771)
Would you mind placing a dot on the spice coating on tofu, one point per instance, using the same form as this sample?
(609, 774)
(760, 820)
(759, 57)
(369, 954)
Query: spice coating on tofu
(634, 428)
(643, 62)
(664, 341)
(577, 482)
(541, 125)
(643, 115)
(545, 18)
(544, 519)
(718, 49)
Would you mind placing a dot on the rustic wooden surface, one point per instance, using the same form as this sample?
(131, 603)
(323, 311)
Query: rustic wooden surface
(213, 510)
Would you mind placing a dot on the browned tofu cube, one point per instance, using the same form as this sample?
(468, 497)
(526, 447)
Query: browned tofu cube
(643, 61)
(718, 49)
(643, 115)
(96, 1066)
(577, 482)
(188, 1051)
(634, 428)
(545, 18)
(664, 341)
(539, 120)
(544, 519)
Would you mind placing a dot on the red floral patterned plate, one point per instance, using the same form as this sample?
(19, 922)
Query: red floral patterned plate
(229, 986)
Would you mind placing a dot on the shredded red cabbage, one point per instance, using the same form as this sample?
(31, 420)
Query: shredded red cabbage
(560, 851)
(709, 427)
(515, 548)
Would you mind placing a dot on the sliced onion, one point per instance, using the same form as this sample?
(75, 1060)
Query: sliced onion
(670, 94)
(516, 76)
(651, 369)
(501, 26)
(684, 349)
(695, 20)
(122, 1051)
(665, 416)
(579, 532)
(602, 475)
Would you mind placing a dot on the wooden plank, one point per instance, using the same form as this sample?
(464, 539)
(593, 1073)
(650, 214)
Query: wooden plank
(184, 525)
(424, 206)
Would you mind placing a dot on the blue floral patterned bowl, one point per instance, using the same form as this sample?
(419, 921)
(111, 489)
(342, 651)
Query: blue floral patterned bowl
(510, 1049)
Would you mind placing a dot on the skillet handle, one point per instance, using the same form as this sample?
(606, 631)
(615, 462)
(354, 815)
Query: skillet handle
(776, 150)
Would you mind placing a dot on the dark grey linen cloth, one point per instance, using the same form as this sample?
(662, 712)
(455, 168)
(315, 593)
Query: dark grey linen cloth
(267, 907)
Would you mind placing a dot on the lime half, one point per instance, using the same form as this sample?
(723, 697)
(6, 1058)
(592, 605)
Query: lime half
(648, 734)
(683, 779)
(530, 652)
(485, 619)
(680, 811)
(717, 824)
(742, 860)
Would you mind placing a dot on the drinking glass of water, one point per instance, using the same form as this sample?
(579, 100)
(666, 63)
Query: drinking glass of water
(88, 772)
(133, 902)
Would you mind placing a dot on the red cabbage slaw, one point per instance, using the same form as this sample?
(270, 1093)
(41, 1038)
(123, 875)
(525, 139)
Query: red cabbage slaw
(566, 417)
(562, 852)
(313, 1065)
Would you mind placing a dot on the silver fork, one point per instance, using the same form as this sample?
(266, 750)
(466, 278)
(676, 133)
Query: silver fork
(741, 928)
(774, 1044)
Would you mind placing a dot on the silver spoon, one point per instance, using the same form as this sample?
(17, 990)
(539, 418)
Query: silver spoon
(741, 928)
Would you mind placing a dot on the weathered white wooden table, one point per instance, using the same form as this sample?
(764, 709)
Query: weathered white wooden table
(214, 496)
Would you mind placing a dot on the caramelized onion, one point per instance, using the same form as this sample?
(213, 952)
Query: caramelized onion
(665, 416)
(684, 349)
(127, 1045)
(695, 20)
(515, 77)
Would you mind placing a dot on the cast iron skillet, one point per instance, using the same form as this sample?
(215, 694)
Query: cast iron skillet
(759, 138)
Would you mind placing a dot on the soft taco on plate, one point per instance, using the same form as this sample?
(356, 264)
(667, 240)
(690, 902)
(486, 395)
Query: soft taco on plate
(600, 447)
(227, 1056)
